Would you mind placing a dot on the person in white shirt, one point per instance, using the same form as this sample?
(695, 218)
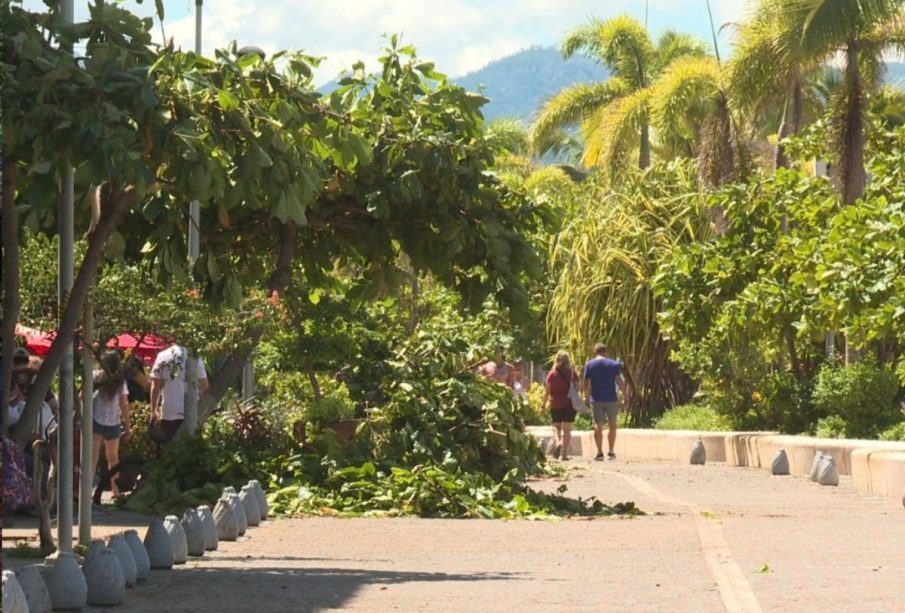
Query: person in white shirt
(168, 388)
(111, 412)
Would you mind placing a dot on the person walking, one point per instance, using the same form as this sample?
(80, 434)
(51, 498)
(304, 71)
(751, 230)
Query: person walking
(168, 390)
(601, 376)
(111, 413)
(556, 396)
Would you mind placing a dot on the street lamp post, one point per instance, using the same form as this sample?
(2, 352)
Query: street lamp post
(194, 239)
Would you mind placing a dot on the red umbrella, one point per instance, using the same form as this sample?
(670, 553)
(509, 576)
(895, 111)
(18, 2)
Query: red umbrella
(36, 341)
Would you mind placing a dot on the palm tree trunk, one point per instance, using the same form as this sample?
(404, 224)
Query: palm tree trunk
(791, 119)
(850, 173)
(644, 155)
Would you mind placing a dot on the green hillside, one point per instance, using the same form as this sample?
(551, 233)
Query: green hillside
(518, 84)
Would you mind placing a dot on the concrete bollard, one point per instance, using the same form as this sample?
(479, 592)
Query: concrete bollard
(34, 588)
(827, 474)
(211, 540)
(13, 596)
(117, 543)
(781, 463)
(159, 546)
(903, 497)
(698, 452)
(249, 501)
(225, 520)
(105, 580)
(815, 466)
(140, 554)
(66, 583)
(233, 500)
(94, 547)
(177, 536)
(194, 532)
(262, 498)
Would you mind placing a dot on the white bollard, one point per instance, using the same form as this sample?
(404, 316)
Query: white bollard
(34, 588)
(117, 543)
(140, 554)
(194, 532)
(105, 580)
(211, 539)
(818, 457)
(13, 596)
(225, 520)
(827, 473)
(177, 536)
(233, 500)
(262, 498)
(94, 547)
(66, 583)
(159, 546)
(781, 463)
(698, 452)
(249, 501)
(903, 497)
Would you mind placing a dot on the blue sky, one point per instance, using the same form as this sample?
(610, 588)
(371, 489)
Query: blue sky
(459, 35)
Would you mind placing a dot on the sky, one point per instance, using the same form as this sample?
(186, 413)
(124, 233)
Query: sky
(458, 35)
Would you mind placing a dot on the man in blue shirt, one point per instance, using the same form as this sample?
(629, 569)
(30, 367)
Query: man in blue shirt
(601, 376)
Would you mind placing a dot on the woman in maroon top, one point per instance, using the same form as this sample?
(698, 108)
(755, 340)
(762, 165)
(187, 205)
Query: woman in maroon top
(557, 392)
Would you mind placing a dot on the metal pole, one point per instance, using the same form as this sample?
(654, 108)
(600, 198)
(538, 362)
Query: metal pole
(820, 170)
(190, 406)
(86, 477)
(248, 382)
(195, 207)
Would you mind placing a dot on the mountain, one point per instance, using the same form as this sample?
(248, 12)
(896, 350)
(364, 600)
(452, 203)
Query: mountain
(518, 84)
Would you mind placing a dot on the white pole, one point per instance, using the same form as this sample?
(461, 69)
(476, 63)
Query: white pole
(64, 441)
(820, 170)
(191, 370)
(86, 477)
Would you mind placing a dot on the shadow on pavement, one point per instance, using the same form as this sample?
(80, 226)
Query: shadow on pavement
(279, 589)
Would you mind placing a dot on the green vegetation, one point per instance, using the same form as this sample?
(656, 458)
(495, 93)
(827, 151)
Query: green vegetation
(693, 417)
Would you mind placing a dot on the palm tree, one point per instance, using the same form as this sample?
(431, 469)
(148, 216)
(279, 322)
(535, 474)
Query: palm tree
(858, 30)
(613, 115)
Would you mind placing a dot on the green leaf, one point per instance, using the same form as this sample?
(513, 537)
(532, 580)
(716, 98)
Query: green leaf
(228, 101)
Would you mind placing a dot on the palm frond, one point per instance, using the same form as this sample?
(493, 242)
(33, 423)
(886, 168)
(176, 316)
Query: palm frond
(570, 107)
(613, 134)
(673, 45)
(682, 99)
(508, 134)
(620, 43)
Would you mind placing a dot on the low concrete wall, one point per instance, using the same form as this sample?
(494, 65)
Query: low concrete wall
(875, 466)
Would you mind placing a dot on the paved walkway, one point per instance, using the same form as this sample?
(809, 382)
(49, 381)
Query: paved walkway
(716, 538)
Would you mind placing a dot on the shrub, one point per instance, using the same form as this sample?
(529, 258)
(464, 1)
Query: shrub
(693, 417)
(861, 394)
(832, 426)
(784, 403)
(894, 433)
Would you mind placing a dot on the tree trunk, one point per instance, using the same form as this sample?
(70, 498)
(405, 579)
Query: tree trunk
(235, 362)
(10, 283)
(644, 154)
(791, 120)
(120, 201)
(850, 172)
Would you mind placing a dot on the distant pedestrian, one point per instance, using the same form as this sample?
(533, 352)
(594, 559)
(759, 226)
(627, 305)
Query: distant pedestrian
(168, 389)
(556, 396)
(499, 369)
(111, 413)
(601, 376)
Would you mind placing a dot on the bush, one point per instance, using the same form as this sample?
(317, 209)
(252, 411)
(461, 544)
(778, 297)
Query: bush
(861, 394)
(784, 404)
(832, 426)
(693, 417)
(894, 433)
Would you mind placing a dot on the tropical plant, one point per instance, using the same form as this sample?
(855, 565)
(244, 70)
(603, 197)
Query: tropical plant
(816, 30)
(614, 115)
(606, 259)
